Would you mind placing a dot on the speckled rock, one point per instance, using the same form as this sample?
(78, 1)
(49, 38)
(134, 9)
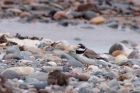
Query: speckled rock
(21, 70)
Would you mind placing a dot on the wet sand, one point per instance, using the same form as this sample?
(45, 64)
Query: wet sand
(99, 38)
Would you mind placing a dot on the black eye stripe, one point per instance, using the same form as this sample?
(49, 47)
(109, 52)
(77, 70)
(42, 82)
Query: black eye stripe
(80, 51)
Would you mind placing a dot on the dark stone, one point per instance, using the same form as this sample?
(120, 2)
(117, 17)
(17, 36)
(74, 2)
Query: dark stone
(57, 78)
(115, 47)
(113, 25)
(23, 86)
(40, 85)
(75, 14)
(64, 23)
(10, 43)
(86, 7)
(66, 69)
(109, 76)
(135, 27)
(134, 55)
(20, 37)
(21, 48)
(88, 15)
(34, 38)
(52, 12)
(39, 7)
(3, 39)
(8, 2)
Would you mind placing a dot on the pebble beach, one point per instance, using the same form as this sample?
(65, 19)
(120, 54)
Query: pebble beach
(69, 46)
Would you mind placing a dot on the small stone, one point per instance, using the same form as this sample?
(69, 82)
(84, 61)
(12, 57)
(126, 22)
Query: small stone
(66, 69)
(25, 55)
(41, 76)
(24, 14)
(3, 39)
(13, 50)
(117, 53)
(23, 86)
(15, 11)
(114, 84)
(89, 15)
(2, 56)
(120, 59)
(97, 20)
(86, 7)
(59, 15)
(109, 75)
(136, 2)
(64, 23)
(40, 85)
(10, 43)
(113, 24)
(9, 74)
(11, 56)
(57, 78)
(51, 68)
(115, 47)
(134, 54)
(29, 1)
(21, 70)
(5, 86)
(122, 77)
(82, 77)
(75, 14)
(45, 91)
(85, 90)
(93, 69)
(52, 63)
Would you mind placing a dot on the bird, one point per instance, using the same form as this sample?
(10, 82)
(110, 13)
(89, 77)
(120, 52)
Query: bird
(88, 53)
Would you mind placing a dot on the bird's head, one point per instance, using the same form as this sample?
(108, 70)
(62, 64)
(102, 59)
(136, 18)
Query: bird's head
(81, 49)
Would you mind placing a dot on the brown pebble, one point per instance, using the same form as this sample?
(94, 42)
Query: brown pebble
(60, 15)
(24, 14)
(86, 7)
(3, 39)
(97, 20)
(21, 48)
(57, 78)
(43, 91)
(82, 77)
(122, 77)
(116, 53)
(5, 87)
